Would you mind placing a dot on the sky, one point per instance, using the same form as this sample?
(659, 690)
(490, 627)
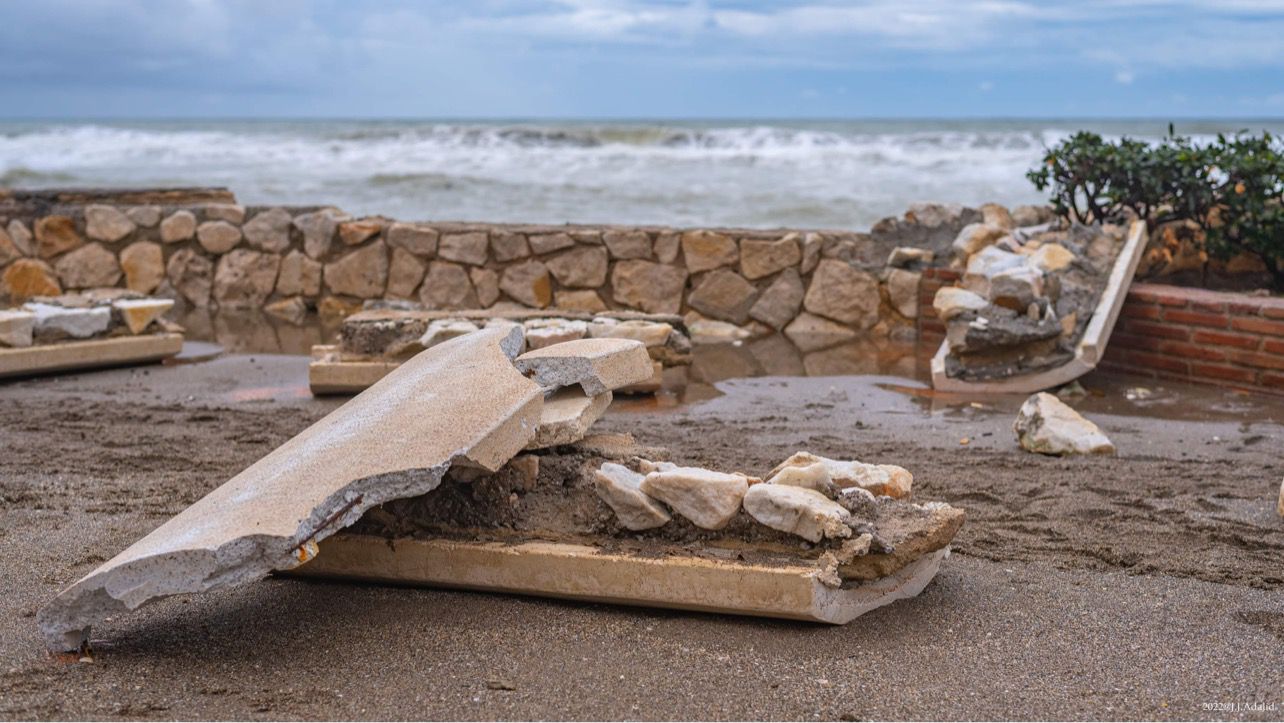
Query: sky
(641, 59)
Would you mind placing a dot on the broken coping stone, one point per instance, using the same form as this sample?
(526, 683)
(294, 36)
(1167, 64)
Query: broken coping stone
(461, 402)
(597, 365)
(567, 416)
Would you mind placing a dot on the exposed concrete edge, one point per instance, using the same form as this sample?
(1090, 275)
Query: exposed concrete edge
(1090, 349)
(170, 560)
(581, 572)
(346, 377)
(89, 354)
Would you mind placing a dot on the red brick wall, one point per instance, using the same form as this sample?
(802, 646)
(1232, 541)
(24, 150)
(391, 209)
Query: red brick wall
(1196, 335)
(931, 330)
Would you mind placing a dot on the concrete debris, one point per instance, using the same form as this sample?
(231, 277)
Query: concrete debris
(445, 330)
(650, 333)
(597, 365)
(1046, 425)
(798, 511)
(138, 314)
(547, 332)
(379, 446)
(567, 416)
(620, 488)
(16, 327)
(709, 499)
(880, 479)
(61, 321)
(950, 301)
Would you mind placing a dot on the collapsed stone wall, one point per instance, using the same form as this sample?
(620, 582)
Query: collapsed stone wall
(203, 249)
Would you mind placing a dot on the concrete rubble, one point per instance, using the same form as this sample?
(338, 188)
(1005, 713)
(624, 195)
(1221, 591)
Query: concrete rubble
(707, 498)
(620, 487)
(94, 314)
(1047, 425)
(797, 510)
(879, 479)
(567, 416)
(596, 365)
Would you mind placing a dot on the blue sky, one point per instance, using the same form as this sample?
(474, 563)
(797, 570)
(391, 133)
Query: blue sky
(641, 58)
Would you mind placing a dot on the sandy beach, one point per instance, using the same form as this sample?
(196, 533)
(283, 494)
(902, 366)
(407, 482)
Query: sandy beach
(1144, 586)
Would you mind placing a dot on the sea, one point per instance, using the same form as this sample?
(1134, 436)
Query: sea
(747, 172)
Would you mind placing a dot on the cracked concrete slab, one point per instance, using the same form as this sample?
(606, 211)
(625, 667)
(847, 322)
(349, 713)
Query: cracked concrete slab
(597, 365)
(567, 416)
(461, 402)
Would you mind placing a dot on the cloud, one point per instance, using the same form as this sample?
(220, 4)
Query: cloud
(1124, 77)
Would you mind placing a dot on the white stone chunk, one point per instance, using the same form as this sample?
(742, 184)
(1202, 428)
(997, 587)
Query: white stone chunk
(620, 488)
(567, 416)
(647, 466)
(950, 301)
(1047, 425)
(814, 477)
(798, 511)
(140, 313)
(539, 336)
(597, 365)
(78, 323)
(880, 479)
(443, 329)
(709, 499)
(16, 327)
(650, 333)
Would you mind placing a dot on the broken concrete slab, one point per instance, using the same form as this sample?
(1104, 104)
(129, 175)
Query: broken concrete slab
(1047, 425)
(16, 327)
(708, 498)
(88, 354)
(798, 511)
(55, 322)
(567, 416)
(380, 446)
(597, 365)
(547, 332)
(444, 330)
(139, 314)
(620, 488)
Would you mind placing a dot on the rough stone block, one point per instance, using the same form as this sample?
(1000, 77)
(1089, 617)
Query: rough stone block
(218, 237)
(362, 273)
(528, 283)
(107, 223)
(178, 226)
(620, 488)
(138, 314)
(466, 248)
(447, 286)
(418, 240)
(709, 499)
(707, 250)
(144, 265)
(88, 267)
(56, 235)
(651, 287)
(567, 416)
(583, 267)
(597, 365)
(843, 293)
(16, 327)
(268, 230)
(724, 294)
(759, 259)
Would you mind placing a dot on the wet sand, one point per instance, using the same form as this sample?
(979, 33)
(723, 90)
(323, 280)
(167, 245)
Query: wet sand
(1147, 586)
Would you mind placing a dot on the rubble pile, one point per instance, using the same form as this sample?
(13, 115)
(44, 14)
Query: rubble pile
(1026, 296)
(92, 314)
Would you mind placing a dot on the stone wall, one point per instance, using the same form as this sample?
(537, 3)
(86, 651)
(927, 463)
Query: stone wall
(203, 249)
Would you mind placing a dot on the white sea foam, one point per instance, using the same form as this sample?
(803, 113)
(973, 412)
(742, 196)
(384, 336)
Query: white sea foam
(753, 173)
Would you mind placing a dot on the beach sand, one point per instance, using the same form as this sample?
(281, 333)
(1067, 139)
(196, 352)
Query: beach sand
(1143, 586)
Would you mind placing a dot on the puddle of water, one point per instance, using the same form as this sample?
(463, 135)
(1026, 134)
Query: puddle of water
(194, 352)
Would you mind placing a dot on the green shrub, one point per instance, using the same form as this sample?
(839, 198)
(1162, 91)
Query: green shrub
(1232, 188)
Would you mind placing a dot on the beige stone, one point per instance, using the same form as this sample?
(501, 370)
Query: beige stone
(509, 246)
(667, 246)
(355, 233)
(299, 275)
(903, 256)
(447, 286)
(724, 294)
(581, 267)
(597, 365)
(813, 244)
(547, 332)
(712, 331)
(879, 479)
(759, 259)
(976, 236)
(144, 216)
(814, 477)
(1051, 257)
(334, 308)
(144, 265)
(650, 333)
(138, 314)
(950, 301)
(192, 275)
(797, 511)
(379, 446)
(218, 237)
(244, 278)
(362, 273)
(318, 229)
(87, 267)
(627, 244)
(21, 237)
(291, 309)
(780, 302)
(16, 327)
(811, 333)
(579, 300)
(1047, 425)
(486, 284)
(651, 287)
(566, 417)
(466, 248)
(107, 223)
(997, 215)
(549, 242)
(268, 230)
(417, 239)
(902, 291)
(8, 249)
(844, 294)
(620, 488)
(706, 250)
(586, 236)
(405, 271)
(708, 499)
(230, 212)
(178, 226)
(443, 330)
(26, 278)
(56, 235)
(528, 283)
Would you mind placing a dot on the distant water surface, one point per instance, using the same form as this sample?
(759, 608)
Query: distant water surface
(757, 173)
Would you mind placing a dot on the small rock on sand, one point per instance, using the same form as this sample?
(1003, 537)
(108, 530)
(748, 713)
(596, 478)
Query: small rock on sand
(709, 499)
(798, 511)
(1046, 425)
(618, 486)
